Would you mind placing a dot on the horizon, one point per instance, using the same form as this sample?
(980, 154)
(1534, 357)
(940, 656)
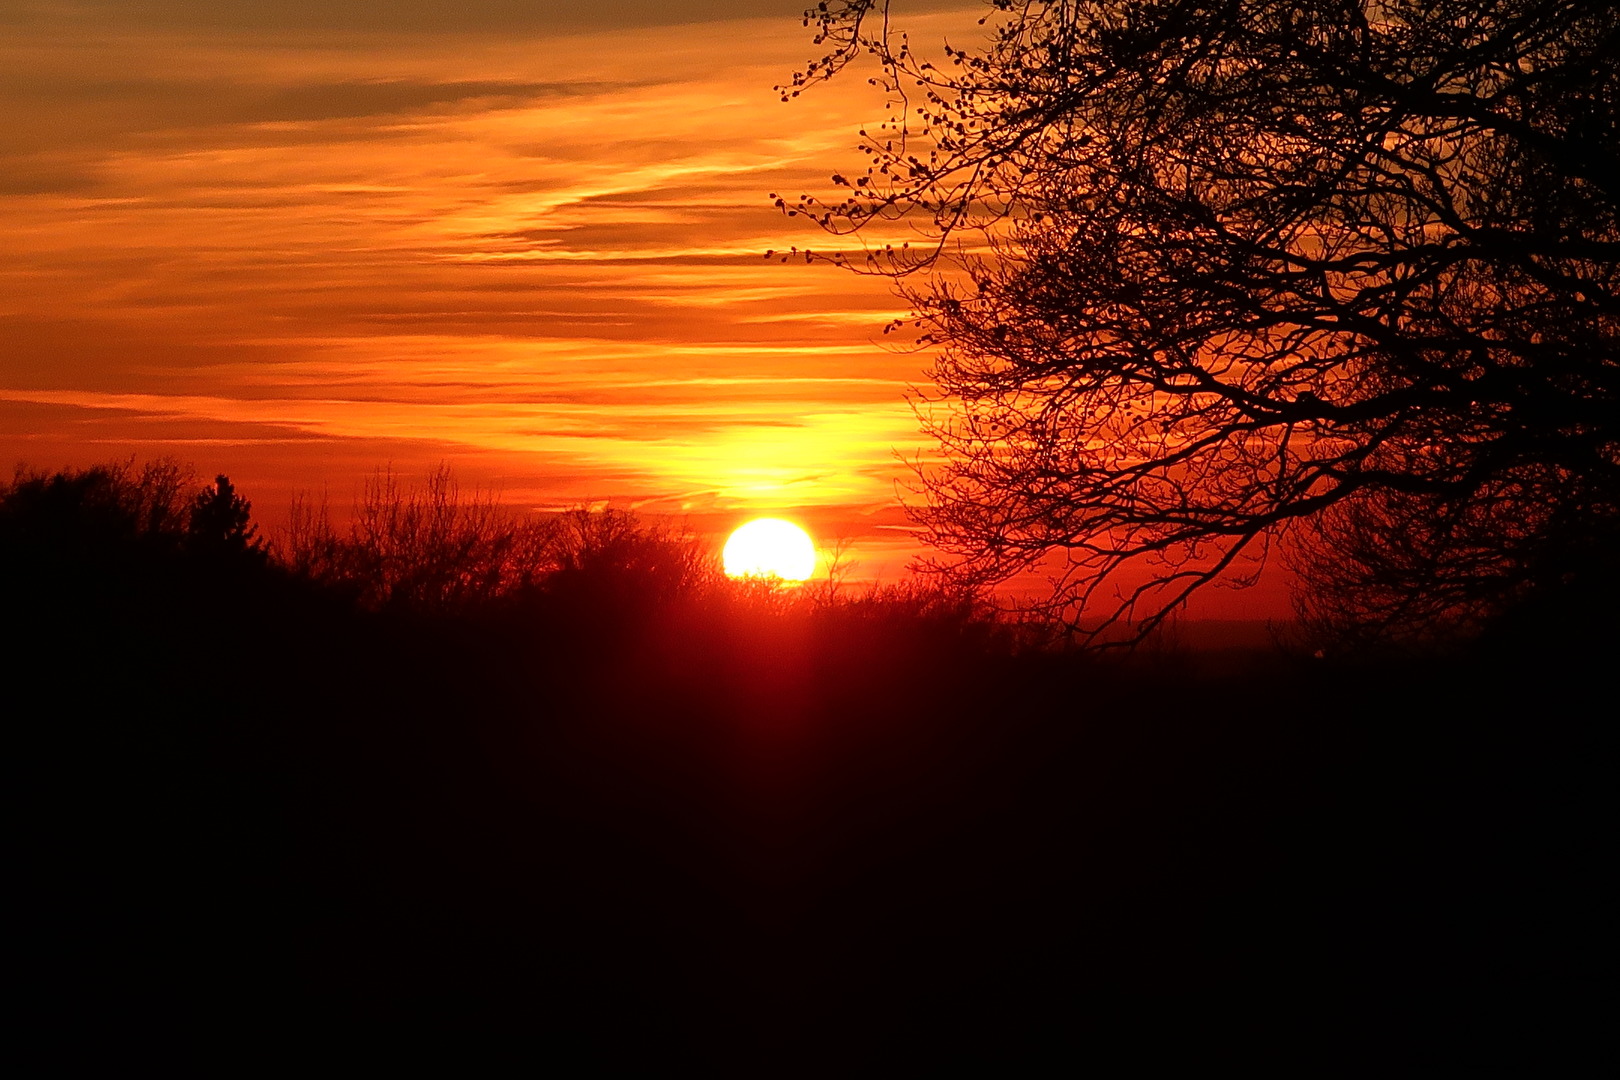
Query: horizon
(294, 252)
(298, 246)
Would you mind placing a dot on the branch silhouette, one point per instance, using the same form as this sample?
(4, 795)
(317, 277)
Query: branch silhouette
(1203, 278)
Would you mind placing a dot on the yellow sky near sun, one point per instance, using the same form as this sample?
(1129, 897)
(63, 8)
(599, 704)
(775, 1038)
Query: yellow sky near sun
(295, 246)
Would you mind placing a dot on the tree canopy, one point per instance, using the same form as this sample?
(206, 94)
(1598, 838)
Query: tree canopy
(1207, 275)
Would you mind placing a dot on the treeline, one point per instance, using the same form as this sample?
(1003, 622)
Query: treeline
(422, 550)
(440, 782)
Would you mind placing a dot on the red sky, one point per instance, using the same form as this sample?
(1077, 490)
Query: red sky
(295, 241)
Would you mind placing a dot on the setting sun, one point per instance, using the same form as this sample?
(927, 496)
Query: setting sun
(770, 547)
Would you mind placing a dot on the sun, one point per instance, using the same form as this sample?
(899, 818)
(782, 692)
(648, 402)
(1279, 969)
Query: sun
(770, 547)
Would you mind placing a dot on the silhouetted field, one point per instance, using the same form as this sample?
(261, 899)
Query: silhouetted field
(265, 824)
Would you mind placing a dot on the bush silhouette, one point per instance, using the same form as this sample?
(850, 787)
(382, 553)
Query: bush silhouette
(612, 560)
(97, 510)
(434, 549)
(421, 549)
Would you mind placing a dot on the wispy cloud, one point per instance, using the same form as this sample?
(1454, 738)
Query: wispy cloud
(526, 243)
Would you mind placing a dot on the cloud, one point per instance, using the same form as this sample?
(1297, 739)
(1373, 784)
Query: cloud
(189, 102)
(244, 237)
(406, 16)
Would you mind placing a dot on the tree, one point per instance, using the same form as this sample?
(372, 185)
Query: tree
(1206, 275)
(428, 548)
(221, 522)
(97, 513)
(434, 549)
(613, 562)
(120, 545)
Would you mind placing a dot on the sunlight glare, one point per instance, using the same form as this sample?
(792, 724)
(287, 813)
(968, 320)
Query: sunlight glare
(770, 547)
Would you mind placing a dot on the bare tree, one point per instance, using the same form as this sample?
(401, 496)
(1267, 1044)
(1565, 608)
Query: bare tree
(611, 557)
(1206, 274)
(426, 548)
(434, 548)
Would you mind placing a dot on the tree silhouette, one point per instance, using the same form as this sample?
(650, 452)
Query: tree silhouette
(427, 548)
(97, 513)
(1207, 275)
(613, 559)
(221, 521)
(434, 549)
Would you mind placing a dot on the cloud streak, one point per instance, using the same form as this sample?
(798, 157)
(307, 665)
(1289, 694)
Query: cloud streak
(296, 243)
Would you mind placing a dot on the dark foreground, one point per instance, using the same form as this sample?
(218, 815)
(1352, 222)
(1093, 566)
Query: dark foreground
(261, 830)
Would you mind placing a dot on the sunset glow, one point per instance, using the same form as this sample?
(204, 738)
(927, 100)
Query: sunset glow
(298, 243)
(528, 241)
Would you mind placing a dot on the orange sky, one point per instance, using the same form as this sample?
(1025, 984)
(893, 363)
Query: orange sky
(295, 241)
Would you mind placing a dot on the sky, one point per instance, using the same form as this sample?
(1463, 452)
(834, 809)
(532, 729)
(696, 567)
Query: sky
(296, 242)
